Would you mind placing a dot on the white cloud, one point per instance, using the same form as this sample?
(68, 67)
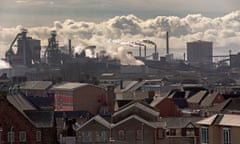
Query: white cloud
(223, 31)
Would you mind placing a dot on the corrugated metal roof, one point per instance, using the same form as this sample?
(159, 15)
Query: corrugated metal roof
(36, 85)
(68, 86)
(198, 97)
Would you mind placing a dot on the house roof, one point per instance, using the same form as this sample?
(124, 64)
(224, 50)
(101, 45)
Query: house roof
(62, 114)
(207, 121)
(208, 100)
(222, 119)
(127, 85)
(198, 97)
(231, 104)
(180, 122)
(41, 119)
(68, 86)
(137, 118)
(157, 100)
(137, 104)
(36, 85)
(20, 102)
(98, 119)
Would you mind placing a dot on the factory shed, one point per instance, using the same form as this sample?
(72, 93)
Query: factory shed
(78, 96)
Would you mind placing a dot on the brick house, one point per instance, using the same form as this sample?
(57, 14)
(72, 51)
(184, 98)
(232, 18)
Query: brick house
(20, 122)
(136, 122)
(220, 129)
(166, 107)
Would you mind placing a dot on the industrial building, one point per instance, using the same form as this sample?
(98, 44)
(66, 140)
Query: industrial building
(200, 52)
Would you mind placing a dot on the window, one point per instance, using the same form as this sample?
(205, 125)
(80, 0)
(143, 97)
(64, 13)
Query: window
(121, 135)
(101, 136)
(86, 136)
(226, 136)
(10, 136)
(160, 133)
(38, 136)
(139, 134)
(204, 136)
(22, 136)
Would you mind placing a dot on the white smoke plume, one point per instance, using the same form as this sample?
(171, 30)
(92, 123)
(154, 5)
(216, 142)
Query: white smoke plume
(223, 31)
(4, 64)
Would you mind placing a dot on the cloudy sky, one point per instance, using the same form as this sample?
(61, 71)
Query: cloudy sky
(44, 12)
(107, 23)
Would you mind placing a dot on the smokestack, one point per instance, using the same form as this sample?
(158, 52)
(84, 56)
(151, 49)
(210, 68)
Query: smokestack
(140, 51)
(167, 43)
(145, 51)
(70, 47)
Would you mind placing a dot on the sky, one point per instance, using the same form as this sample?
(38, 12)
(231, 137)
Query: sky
(112, 23)
(44, 12)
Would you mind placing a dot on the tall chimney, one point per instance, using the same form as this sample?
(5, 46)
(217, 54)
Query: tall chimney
(167, 43)
(70, 47)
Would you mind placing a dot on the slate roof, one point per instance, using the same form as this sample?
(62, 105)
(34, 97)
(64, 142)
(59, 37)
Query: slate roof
(36, 85)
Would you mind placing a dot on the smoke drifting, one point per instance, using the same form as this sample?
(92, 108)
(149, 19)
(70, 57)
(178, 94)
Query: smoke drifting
(4, 65)
(223, 31)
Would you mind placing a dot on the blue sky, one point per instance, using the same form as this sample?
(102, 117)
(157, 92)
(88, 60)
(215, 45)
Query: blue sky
(44, 12)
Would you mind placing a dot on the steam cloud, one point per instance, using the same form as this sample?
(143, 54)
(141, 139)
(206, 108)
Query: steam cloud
(223, 31)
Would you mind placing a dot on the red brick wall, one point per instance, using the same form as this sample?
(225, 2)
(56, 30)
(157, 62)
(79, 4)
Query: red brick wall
(11, 117)
(168, 108)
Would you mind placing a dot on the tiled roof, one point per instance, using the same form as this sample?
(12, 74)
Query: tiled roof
(36, 85)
